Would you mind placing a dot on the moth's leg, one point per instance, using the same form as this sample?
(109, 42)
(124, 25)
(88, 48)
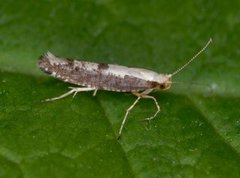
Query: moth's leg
(144, 94)
(157, 105)
(95, 92)
(74, 91)
(139, 96)
(125, 117)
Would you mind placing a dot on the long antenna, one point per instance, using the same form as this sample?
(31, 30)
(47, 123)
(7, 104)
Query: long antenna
(196, 55)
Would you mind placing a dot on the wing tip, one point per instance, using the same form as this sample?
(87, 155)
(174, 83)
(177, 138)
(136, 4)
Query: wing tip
(47, 55)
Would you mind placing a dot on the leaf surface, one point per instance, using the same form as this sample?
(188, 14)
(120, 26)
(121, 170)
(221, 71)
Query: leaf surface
(197, 132)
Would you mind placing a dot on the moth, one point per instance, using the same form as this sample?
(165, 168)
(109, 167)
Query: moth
(90, 76)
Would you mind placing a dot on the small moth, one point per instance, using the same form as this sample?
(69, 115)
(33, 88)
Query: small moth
(99, 76)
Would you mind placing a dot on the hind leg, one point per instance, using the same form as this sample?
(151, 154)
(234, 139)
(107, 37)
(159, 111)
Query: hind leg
(74, 91)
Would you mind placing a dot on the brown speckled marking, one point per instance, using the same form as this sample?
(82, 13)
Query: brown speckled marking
(76, 68)
(103, 66)
(70, 62)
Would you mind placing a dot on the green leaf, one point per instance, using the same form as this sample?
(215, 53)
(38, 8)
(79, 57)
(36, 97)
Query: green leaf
(196, 134)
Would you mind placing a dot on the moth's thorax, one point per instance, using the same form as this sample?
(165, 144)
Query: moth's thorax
(163, 82)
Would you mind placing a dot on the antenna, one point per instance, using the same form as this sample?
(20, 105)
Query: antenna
(196, 55)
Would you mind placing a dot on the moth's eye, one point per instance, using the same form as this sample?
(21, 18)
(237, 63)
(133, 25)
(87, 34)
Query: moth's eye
(162, 86)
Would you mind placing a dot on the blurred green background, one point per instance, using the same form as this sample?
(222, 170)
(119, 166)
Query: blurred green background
(197, 133)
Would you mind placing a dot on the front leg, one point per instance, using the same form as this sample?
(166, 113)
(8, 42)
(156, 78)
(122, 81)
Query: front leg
(143, 94)
(125, 117)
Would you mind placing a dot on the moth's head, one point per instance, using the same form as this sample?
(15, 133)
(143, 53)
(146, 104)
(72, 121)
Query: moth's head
(164, 82)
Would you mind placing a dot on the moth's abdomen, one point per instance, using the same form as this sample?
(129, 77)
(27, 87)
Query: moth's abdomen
(90, 74)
